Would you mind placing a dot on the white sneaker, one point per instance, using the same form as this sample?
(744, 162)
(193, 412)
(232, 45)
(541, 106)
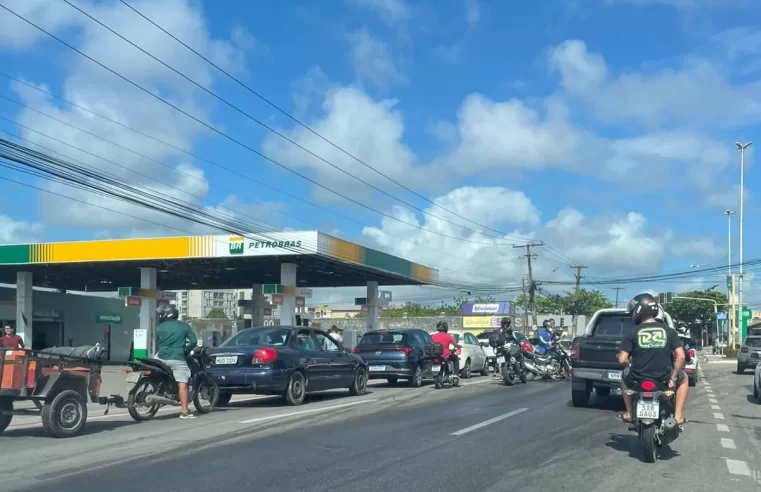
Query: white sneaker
(188, 416)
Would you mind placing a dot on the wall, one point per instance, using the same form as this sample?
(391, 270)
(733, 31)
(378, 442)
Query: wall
(79, 313)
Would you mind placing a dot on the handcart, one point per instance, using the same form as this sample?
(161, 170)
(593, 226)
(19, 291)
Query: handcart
(60, 386)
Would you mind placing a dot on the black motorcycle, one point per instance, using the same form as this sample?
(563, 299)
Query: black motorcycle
(442, 369)
(654, 410)
(510, 361)
(153, 386)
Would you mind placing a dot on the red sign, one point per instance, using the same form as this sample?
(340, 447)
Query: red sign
(300, 302)
(132, 301)
(277, 299)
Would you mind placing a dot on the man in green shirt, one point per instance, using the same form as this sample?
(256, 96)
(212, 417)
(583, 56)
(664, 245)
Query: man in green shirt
(173, 338)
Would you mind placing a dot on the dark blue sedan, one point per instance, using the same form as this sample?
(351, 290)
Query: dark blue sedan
(284, 360)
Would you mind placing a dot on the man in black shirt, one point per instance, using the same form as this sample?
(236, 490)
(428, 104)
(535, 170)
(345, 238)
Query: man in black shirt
(652, 350)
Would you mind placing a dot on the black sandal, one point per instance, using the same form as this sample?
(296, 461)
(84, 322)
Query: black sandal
(630, 420)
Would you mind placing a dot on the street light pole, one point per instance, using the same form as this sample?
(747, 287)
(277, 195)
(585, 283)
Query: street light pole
(730, 318)
(742, 148)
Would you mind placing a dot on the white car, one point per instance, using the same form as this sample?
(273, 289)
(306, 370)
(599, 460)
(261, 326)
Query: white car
(472, 356)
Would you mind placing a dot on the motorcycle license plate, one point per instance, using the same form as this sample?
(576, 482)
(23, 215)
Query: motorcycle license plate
(648, 409)
(500, 360)
(615, 375)
(134, 377)
(435, 368)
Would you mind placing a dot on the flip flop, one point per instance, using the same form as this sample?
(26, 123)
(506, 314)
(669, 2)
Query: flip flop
(683, 422)
(628, 421)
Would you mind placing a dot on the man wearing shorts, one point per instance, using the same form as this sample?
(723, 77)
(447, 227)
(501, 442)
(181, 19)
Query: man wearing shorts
(173, 338)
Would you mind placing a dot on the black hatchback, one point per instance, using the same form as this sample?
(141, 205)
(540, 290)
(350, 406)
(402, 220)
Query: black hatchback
(396, 354)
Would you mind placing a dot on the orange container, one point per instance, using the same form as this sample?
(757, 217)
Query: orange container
(14, 377)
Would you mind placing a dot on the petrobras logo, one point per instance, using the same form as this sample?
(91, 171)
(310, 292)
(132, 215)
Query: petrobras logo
(236, 246)
(491, 308)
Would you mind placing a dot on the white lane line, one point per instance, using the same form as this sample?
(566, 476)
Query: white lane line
(306, 412)
(737, 467)
(718, 416)
(722, 427)
(715, 407)
(482, 381)
(728, 443)
(713, 400)
(488, 422)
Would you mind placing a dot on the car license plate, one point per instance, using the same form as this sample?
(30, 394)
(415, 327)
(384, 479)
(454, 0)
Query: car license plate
(615, 375)
(500, 360)
(435, 368)
(377, 368)
(134, 377)
(226, 360)
(648, 409)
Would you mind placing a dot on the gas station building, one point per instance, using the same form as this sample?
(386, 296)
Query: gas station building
(288, 264)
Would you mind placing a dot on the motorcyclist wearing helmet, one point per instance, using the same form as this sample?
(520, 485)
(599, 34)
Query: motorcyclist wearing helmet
(173, 338)
(443, 337)
(545, 337)
(647, 351)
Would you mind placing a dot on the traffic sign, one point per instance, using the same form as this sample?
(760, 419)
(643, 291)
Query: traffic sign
(721, 315)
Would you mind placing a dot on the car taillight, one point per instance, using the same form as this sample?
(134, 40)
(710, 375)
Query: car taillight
(744, 350)
(406, 350)
(264, 356)
(437, 361)
(647, 385)
(354, 350)
(575, 351)
(31, 372)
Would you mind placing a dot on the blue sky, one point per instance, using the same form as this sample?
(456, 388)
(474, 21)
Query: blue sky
(605, 128)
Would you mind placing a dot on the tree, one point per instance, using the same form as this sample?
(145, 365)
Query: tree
(544, 305)
(693, 311)
(590, 301)
(414, 309)
(216, 313)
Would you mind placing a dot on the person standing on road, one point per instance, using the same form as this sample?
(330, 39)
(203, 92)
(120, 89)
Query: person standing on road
(173, 338)
(10, 339)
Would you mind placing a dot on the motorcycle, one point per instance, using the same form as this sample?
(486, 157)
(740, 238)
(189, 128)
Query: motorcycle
(510, 360)
(554, 364)
(443, 371)
(153, 386)
(655, 423)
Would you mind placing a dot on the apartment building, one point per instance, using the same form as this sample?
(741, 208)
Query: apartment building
(195, 304)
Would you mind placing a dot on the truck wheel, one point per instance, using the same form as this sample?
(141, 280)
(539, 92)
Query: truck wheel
(580, 398)
(602, 391)
(6, 405)
(65, 415)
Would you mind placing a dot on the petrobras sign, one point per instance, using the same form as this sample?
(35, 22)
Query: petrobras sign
(486, 308)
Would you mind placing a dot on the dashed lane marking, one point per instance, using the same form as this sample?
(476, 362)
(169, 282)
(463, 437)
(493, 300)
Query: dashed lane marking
(713, 400)
(718, 416)
(722, 427)
(728, 443)
(715, 407)
(488, 422)
(737, 467)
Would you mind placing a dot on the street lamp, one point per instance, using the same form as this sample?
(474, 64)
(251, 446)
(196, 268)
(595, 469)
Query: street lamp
(729, 214)
(741, 148)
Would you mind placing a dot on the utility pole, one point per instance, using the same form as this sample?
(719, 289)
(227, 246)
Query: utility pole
(531, 285)
(617, 289)
(576, 296)
(525, 308)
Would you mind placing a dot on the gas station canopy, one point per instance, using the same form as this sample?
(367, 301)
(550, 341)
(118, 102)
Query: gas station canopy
(208, 262)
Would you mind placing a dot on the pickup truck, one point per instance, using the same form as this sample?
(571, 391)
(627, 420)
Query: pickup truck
(594, 355)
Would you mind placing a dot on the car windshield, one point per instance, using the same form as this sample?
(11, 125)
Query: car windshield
(753, 342)
(271, 336)
(484, 335)
(384, 338)
(612, 325)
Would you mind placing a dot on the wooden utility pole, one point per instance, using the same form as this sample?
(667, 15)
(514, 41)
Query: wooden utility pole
(531, 284)
(576, 296)
(525, 308)
(617, 289)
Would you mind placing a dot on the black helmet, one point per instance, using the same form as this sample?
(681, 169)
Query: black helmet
(643, 306)
(547, 325)
(167, 312)
(442, 326)
(505, 323)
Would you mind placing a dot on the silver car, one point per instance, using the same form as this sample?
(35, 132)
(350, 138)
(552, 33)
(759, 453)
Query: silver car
(749, 354)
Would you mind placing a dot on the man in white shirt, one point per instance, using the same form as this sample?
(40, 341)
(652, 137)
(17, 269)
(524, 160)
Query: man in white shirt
(335, 334)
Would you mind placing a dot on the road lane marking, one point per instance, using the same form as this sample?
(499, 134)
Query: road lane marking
(728, 443)
(488, 422)
(715, 407)
(718, 416)
(482, 381)
(713, 400)
(722, 427)
(737, 467)
(306, 412)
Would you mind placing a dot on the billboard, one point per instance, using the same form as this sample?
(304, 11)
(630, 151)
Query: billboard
(486, 308)
(481, 322)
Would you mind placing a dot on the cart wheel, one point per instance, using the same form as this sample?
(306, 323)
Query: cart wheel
(65, 415)
(6, 405)
(136, 406)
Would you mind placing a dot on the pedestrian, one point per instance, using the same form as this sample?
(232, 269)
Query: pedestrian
(335, 332)
(10, 339)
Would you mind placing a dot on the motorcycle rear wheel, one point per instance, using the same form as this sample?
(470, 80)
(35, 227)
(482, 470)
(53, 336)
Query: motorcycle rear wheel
(437, 382)
(136, 397)
(647, 434)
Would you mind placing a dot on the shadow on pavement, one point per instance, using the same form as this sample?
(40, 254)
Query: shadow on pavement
(612, 403)
(91, 427)
(631, 444)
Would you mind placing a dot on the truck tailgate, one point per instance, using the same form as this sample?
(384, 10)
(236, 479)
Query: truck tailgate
(599, 353)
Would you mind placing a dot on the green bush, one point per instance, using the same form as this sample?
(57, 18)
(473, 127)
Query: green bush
(730, 352)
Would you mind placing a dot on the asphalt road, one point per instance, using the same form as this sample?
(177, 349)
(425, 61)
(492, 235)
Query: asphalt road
(481, 437)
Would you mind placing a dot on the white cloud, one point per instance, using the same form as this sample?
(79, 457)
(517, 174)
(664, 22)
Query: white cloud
(472, 13)
(391, 11)
(19, 232)
(372, 61)
(92, 87)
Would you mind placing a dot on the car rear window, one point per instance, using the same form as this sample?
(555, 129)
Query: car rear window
(612, 325)
(484, 334)
(753, 342)
(273, 337)
(384, 338)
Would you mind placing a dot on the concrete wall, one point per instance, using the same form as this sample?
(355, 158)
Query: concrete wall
(78, 313)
